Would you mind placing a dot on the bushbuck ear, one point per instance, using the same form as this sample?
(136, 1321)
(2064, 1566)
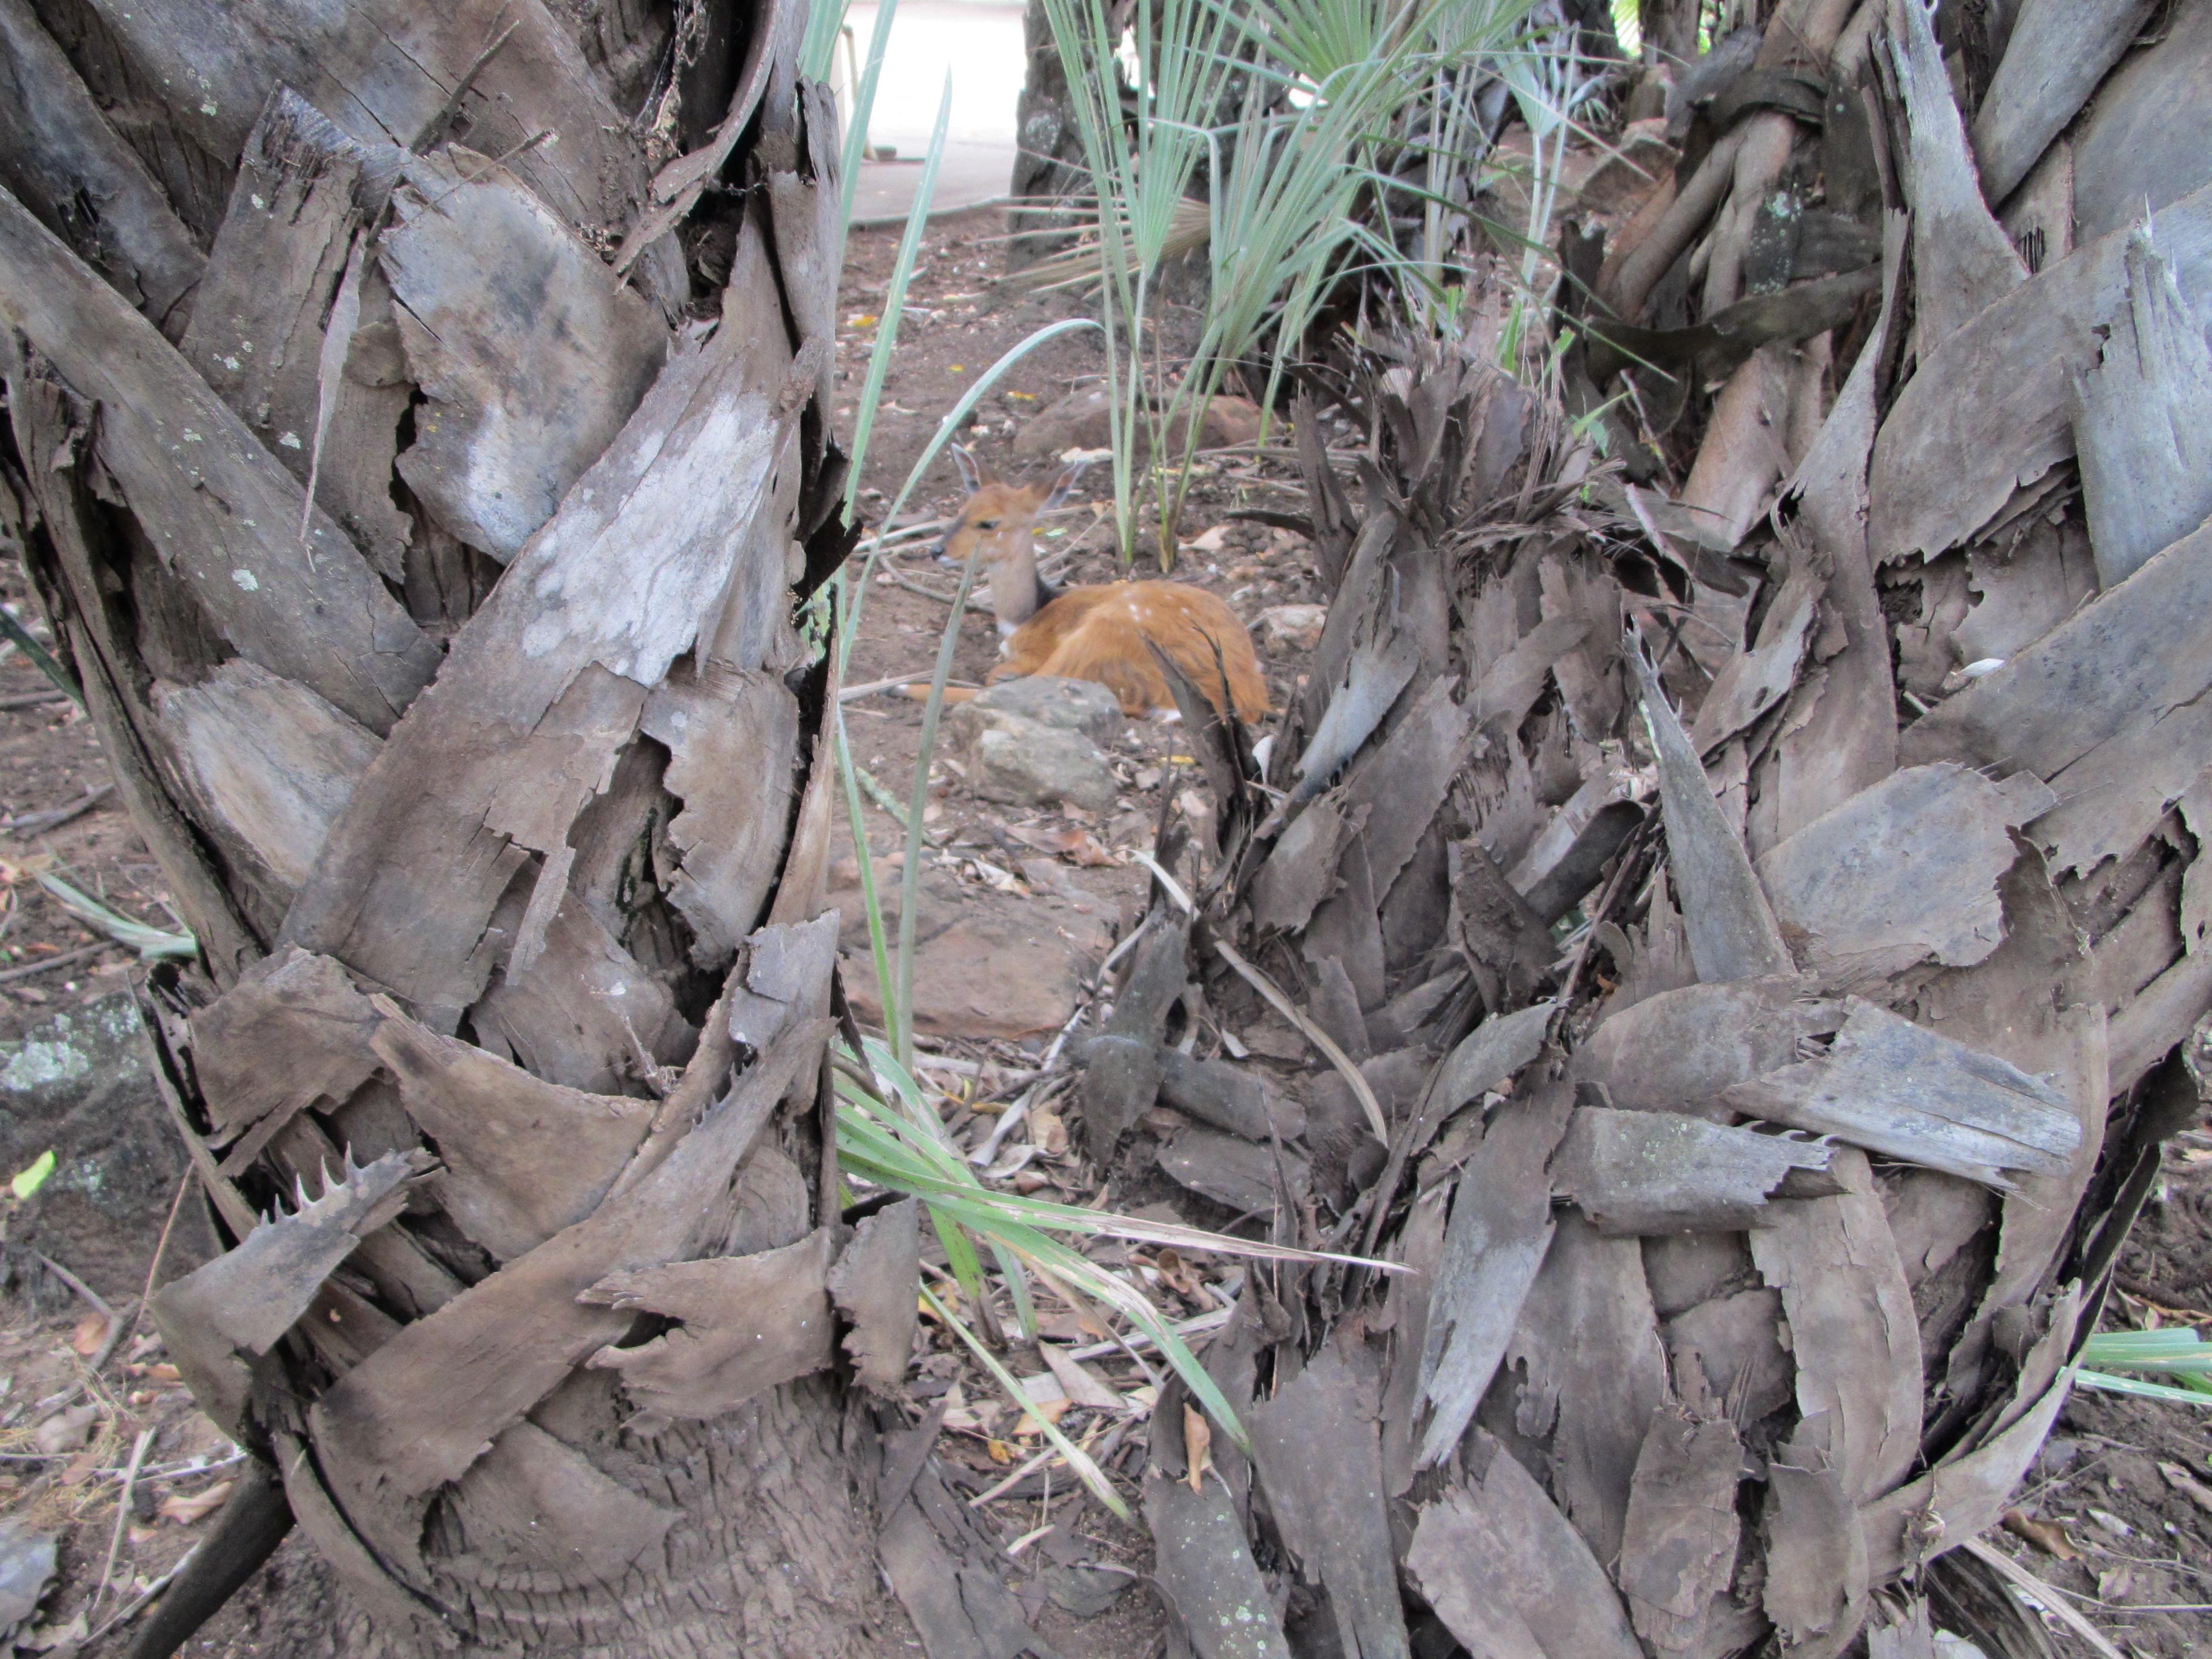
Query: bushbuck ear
(971, 475)
(1063, 486)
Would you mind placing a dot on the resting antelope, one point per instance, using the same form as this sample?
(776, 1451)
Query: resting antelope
(1104, 633)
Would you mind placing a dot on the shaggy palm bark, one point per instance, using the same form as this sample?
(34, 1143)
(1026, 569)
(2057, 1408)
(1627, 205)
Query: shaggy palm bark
(417, 416)
(1740, 922)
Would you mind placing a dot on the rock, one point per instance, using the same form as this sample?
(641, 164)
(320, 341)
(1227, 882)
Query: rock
(1292, 627)
(81, 1086)
(1024, 762)
(26, 1567)
(1081, 421)
(1082, 705)
(986, 975)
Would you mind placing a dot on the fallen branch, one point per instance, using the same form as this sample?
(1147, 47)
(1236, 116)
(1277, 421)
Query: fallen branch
(52, 817)
(33, 969)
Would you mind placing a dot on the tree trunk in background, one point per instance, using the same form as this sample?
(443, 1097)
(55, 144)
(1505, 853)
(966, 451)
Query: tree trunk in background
(490, 780)
(1669, 30)
(1049, 165)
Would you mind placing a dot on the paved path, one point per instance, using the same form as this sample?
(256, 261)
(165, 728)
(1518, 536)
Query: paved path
(979, 43)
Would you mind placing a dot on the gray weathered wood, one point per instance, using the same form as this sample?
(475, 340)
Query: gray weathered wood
(220, 511)
(385, 70)
(1206, 1574)
(2142, 422)
(2059, 51)
(1508, 1575)
(1500, 1229)
(1590, 1297)
(305, 193)
(1992, 408)
(539, 684)
(2108, 708)
(1678, 1553)
(2139, 148)
(1851, 1327)
(1840, 736)
(218, 1318)
(1898, 1089)
(1963, 262)
(1676, 1051)
(1319, 1454)
(1659, 1172)
(68, 165)
(1903, 872)
(531, 352)
(491, 1353)
(733, 743)
(748, 1322)
(270, 763)
(524, 1158)
(1732, 931)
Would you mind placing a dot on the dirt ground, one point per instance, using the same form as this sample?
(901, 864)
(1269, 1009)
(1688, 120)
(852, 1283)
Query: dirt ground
(2124, 1486)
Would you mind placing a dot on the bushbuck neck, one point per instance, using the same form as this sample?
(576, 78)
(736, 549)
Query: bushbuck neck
(998, 528)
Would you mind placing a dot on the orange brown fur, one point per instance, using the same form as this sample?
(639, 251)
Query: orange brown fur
(1103, 633)
(1100, 634)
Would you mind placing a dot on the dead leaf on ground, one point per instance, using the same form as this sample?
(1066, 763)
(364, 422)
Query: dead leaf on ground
(1068, 842)
(2046, 1535)
(90, 1334)
(184, 1508)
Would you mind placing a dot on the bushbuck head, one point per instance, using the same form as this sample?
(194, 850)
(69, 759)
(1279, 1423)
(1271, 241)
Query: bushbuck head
(997, 526)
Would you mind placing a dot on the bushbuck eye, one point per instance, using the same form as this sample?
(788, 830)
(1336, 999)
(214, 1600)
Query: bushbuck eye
(987, 523)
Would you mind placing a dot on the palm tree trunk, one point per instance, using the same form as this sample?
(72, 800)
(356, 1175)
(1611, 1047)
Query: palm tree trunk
(1740, 925)
(418, 416)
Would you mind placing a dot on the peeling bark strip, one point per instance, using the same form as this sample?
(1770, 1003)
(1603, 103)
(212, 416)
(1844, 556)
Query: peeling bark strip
(307, 194)
(1897, 1088)
(219, 512)
(493, 1352)
(1508, 1575)
(2108, 708)
(746, 1324)
(2143, 421)
(219, 1319)
(1851, 1327)
(1732, 931)
(1903, 872)
(548, 682)
(68, 166)
(533, 353)
(1991, 408)
(385, 71)
(1678, 1549)
(1648, 1172)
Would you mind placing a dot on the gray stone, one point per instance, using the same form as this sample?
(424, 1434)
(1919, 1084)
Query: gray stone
(1292, 627)
(81, 1085)
(1082, 705)
(1022, 763)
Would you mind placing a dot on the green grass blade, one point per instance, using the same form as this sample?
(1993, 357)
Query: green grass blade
(887, 324)
(2111, 1383)
(864, 108)
(871, 904)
